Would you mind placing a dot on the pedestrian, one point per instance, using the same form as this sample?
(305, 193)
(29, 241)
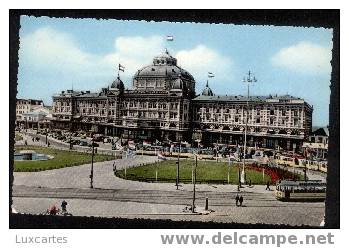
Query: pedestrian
(267, 188)
(48, 144)
(237, 200)
(250, 183)
(64, 206)
(53, 210)
(241, 200)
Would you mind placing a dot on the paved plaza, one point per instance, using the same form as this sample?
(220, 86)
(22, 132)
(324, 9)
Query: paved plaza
(34, 192)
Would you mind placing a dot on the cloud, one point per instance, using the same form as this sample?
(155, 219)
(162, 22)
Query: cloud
(53, 50)
(55, 58)
(202, 59)
(304, 57)
(134, 52)
(48, 48)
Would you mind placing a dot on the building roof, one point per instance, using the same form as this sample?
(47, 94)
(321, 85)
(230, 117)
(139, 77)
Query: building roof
(322, 131)
(240, 98)
(31, 101)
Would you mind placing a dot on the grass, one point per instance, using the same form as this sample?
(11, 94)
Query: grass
(207, 172)
(61, 159)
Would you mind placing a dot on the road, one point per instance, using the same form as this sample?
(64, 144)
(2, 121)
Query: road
(33, 192)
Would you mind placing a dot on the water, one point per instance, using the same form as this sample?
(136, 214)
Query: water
(34, 156)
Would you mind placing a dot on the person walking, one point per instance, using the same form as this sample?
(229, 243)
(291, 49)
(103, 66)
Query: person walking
(53, 210)
(241, 200)
(267, 188)
(64, 206)
(237, 200)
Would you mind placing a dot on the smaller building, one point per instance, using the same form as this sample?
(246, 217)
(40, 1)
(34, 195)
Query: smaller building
(24, 106)
(317, 145)
(38, 118)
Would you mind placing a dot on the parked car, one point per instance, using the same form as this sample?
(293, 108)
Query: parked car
(94, 144)
(83, 143)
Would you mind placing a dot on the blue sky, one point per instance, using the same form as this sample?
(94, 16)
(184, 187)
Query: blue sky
(60, 53)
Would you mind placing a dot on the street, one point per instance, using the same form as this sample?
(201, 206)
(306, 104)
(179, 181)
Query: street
(34, 192)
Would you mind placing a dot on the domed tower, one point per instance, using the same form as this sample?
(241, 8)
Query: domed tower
(117, 85)
(164, 75)
(207, 91)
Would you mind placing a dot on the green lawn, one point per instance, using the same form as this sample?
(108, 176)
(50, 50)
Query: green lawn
(61, 159)
(207, 172)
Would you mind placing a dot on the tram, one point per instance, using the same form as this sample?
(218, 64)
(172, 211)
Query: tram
(310, 190)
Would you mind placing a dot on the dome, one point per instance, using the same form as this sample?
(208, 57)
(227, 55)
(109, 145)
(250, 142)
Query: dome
(164, 74)
(207, 91)
(117, 84)
(172, 72)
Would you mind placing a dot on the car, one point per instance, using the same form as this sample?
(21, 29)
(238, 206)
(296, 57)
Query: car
(94, 144)
(98, 137)
(75, 142)
(83, 143)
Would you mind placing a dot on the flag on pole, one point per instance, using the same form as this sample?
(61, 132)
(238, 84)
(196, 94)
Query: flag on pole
(121, 68)
(210, 75)
(169, 38)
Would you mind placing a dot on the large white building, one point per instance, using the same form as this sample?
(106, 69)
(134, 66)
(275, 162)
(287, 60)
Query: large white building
(163, 105)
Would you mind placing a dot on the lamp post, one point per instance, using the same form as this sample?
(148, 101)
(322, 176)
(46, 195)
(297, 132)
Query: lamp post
(177, 180)
(91, 175)
(46, 136)
(70, 133)
(194, 183)
(305, 165)
(247, 80)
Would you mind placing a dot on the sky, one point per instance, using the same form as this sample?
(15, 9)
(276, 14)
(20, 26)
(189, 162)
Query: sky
(57, 54)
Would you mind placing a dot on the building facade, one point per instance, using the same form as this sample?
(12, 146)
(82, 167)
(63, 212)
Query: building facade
(24, 106)
(163, 105)
(272, 121)
(317, 143)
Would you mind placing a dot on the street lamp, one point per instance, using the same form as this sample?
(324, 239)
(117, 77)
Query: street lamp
(70, 136)
(194, 183)
(46, 135)
(247, 80)
(91, 175)
(177, 180)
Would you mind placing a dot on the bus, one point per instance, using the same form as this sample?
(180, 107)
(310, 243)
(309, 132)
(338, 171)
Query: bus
(310, 190)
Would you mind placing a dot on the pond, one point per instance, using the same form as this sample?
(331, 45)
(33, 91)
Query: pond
(30, 155)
